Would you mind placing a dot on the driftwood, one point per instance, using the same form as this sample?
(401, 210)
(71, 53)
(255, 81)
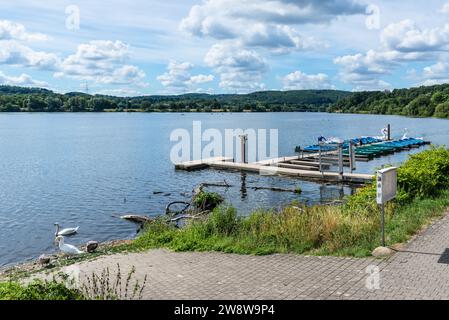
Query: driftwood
(223, 184)
(187, 211)
(276, 189)
(187, 216)
(203, 185)
(136, 218)
(169, 212)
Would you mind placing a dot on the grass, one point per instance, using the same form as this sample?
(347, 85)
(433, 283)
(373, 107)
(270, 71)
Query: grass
(38, 290)
(352, 229)
(319, 230)
(103, 286)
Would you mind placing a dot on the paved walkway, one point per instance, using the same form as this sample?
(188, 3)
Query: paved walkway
(419, 273)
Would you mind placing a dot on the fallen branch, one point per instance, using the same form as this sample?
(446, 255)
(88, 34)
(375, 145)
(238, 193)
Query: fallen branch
(223, 184)
(136, 218)
(276, 189)
(196, 216)
(173, 213)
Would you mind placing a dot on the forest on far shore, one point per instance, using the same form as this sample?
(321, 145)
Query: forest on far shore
(426, 101)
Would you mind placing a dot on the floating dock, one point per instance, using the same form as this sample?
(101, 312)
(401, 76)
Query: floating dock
(366, 149)
(315, 162)
(281, 166)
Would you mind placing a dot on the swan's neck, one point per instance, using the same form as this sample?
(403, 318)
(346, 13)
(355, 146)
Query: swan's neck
(61, 241)
(57, 229)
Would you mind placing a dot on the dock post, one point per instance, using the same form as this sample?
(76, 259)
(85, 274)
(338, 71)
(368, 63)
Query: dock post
(389, 132)
(352, 160)
(320, 158)
(243, 140)
(340, 160)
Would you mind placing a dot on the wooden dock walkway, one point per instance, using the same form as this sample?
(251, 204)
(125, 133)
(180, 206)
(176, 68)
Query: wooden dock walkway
(201, 164)
(278, 166)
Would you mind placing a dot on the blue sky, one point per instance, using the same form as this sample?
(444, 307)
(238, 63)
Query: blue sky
(223, 46)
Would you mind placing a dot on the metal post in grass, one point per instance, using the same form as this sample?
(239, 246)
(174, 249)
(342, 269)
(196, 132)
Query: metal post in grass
(387, 184)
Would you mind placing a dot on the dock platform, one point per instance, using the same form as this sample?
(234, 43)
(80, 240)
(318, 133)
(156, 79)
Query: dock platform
(201, 164)
(280, 166)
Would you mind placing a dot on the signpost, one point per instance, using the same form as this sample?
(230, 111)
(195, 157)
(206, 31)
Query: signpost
(387, 184)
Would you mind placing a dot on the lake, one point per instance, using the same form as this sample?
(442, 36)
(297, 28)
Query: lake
(86, 169)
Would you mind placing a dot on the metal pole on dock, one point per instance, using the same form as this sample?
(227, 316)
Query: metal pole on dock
(243, 140)
(320, 157)
(340, 160)
(352, 160)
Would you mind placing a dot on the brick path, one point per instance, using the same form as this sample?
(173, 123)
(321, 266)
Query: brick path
(415, 274)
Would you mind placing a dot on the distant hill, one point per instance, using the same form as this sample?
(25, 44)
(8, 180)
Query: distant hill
(22, 90)
(16, 99)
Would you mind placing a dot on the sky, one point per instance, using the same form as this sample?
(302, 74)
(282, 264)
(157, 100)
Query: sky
(147, 47)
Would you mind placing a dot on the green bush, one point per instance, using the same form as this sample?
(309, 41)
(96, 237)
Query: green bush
(424, 174)
(207, 200)
(38, 290)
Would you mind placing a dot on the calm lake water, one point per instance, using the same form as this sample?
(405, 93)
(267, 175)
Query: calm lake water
(78, 169)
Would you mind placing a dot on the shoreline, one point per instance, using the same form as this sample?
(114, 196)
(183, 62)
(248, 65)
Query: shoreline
(58, 260)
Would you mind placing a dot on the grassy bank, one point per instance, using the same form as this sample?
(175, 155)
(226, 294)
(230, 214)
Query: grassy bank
(352, 229)
(38, 290)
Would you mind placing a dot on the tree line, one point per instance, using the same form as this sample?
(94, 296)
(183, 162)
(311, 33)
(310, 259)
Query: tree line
(17, 99)
(426, 101)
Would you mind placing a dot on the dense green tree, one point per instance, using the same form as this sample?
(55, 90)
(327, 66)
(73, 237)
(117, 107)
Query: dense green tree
(442, 110)
(35, 104)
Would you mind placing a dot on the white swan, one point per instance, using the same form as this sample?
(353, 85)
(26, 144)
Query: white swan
(405, 136)
(67, 249)
(66, 231)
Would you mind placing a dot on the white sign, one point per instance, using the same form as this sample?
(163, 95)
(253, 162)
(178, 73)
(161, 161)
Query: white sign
(387, 185)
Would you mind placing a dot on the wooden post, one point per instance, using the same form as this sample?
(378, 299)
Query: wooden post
(389, 132)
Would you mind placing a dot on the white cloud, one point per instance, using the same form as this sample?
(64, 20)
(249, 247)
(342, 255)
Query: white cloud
(15, 31)
(14, 53)
(406, 36)
(178, 78)
(200, 78)
(240, 69)
(437, 73)
(103, 62)
(301, 81)
(22, 80)
(364, 70)
(260, 23)
(445, 8)
(121, 92)
(402, 43)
